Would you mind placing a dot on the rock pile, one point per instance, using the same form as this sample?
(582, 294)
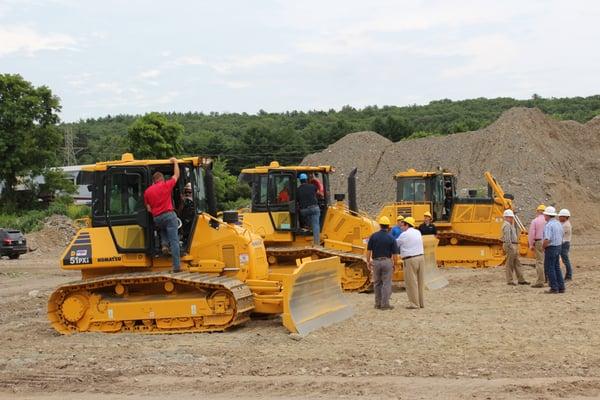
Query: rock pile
(534, 157)
(57, 233)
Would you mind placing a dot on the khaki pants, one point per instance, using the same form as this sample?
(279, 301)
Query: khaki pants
(539, 262)
(513, 265)
(414, 268)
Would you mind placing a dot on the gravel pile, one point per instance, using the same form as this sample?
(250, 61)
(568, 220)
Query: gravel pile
(533, 156)
(57, 233)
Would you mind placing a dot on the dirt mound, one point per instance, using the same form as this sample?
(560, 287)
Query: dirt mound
(534, 156)
(57, 233)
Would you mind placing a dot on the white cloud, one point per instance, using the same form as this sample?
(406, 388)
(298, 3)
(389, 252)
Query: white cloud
(151, 73)
(252, 61)
(186, 60)
(494, 53)
(235, 84)
(24, 39)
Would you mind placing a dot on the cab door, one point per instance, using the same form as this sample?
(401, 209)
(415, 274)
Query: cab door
(437, 198)
(128, 220)
(281, 200)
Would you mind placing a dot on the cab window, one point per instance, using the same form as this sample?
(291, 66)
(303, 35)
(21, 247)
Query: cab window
(126, 194)
(412, 190)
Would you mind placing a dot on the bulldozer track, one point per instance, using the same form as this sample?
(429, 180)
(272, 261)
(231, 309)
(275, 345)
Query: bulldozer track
(204, 284)
(350, 260)
(467, 238)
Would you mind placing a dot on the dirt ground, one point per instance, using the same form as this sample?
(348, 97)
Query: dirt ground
(476, 338)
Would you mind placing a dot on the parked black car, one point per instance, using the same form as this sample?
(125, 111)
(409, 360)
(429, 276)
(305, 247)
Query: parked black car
(12, 243)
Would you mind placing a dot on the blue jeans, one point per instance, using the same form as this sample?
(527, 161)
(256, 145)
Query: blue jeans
(552, 268)
(312, 216)
(564, 255)
(167, 224)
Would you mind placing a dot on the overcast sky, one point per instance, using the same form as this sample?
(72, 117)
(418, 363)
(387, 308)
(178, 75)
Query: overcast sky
(111, 57)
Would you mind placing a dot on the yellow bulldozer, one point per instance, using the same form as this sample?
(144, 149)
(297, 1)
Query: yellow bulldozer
(468, 227)
(126, 284)
(274, 215)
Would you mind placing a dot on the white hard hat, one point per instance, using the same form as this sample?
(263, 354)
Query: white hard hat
(508, 213)
(564, 213)
(551, 211)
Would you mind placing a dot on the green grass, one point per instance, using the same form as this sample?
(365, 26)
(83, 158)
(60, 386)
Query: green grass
(33, 220)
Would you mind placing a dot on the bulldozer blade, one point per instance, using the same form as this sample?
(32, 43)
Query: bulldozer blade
(313, 296)
(433, 277)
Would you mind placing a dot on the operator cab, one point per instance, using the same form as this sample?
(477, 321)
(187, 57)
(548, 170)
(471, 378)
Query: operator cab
(274, 191)
(436, 189)
(118, 202)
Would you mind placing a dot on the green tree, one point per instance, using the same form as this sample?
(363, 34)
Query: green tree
(154, 136)
(29, 137)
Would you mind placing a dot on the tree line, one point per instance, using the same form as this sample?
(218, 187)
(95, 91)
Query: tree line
(245, 140)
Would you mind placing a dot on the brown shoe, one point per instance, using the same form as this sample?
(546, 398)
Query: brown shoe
(511, 283)
(377, 307)
(524, 283)
(551, 291)
(538, 285)
(386, 308)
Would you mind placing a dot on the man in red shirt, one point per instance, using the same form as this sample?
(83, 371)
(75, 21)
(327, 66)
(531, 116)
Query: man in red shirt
(312, 179)
(160, 204)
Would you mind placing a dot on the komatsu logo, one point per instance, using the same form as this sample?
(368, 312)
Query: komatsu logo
(109, 259)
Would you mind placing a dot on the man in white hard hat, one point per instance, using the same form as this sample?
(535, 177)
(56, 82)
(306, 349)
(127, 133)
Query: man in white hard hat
(564, 215)
(410, 243)
(382, 253)
(510, 241)
(535, 235)
(553, 238)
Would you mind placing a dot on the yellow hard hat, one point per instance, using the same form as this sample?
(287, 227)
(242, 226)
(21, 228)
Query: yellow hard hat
(400, 218)
(541, 207)
(427, 214)
(384, 220)
(410, 221)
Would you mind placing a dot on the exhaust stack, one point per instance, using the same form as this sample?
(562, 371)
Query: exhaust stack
(352, 204)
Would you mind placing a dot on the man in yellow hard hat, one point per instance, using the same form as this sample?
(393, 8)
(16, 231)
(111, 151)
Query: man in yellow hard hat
(382, 252)
(535, 235)
(427, 227)
(396, 230)
(410, 243)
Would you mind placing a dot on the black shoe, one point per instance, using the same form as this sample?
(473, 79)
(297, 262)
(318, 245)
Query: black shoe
(524, 283)
(561, 290)
(551, 291)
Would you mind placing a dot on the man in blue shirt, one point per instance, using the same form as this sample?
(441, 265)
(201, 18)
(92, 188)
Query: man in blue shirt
(382, 254)
(396, 231)
(552, 241)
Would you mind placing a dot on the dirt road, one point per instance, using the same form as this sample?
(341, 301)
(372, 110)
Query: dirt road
(476, 338)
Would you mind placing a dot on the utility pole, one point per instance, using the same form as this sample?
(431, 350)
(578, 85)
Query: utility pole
(69, 150)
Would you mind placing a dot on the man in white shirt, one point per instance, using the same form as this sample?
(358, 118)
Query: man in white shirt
(410, 243)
